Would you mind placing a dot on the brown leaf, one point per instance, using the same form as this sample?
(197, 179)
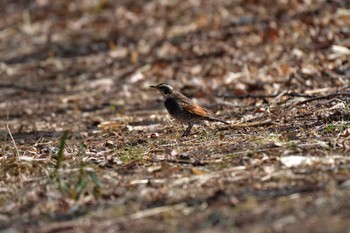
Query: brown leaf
(197, 171)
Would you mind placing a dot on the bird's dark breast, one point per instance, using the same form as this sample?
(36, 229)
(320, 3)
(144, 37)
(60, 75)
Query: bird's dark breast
(173, 107)
(176, 110)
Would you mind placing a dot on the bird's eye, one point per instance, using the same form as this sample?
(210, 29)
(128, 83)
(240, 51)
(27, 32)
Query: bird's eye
(166, 90)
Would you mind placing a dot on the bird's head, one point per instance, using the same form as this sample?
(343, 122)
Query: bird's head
(164, 88)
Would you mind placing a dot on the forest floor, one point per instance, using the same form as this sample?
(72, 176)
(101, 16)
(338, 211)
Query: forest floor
(87, 146)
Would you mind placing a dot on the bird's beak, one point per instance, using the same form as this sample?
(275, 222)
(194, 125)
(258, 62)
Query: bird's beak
(153, 86)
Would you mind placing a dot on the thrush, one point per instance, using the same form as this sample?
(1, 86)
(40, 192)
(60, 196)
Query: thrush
(183, 109)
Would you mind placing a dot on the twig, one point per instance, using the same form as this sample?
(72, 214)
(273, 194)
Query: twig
(292, 94)
(311, 97)
(109, 224)
(253, 124)
(185, 161)
(27, 88)
(13, 140)
(8, 129)
(143, 214)
(330, 96)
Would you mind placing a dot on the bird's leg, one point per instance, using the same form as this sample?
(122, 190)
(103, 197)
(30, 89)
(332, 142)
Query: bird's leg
(187, 131)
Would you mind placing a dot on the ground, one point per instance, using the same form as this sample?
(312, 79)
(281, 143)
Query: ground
(87, 146)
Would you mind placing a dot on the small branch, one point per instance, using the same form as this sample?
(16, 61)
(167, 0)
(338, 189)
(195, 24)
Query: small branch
(330, 96)
(27, 88)
(109, 224)
(13, 140)
(253, 124)
(185, 161)
(9, 131)
(311, 97)
(292, 94)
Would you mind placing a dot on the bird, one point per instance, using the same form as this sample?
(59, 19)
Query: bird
(183, 109)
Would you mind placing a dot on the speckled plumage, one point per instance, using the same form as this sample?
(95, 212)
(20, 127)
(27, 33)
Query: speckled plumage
(183, 109)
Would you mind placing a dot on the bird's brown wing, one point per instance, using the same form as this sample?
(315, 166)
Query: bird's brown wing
(196, 109)
(191, 107)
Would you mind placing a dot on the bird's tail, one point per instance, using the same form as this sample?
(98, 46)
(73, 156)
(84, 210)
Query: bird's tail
(216, 119)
